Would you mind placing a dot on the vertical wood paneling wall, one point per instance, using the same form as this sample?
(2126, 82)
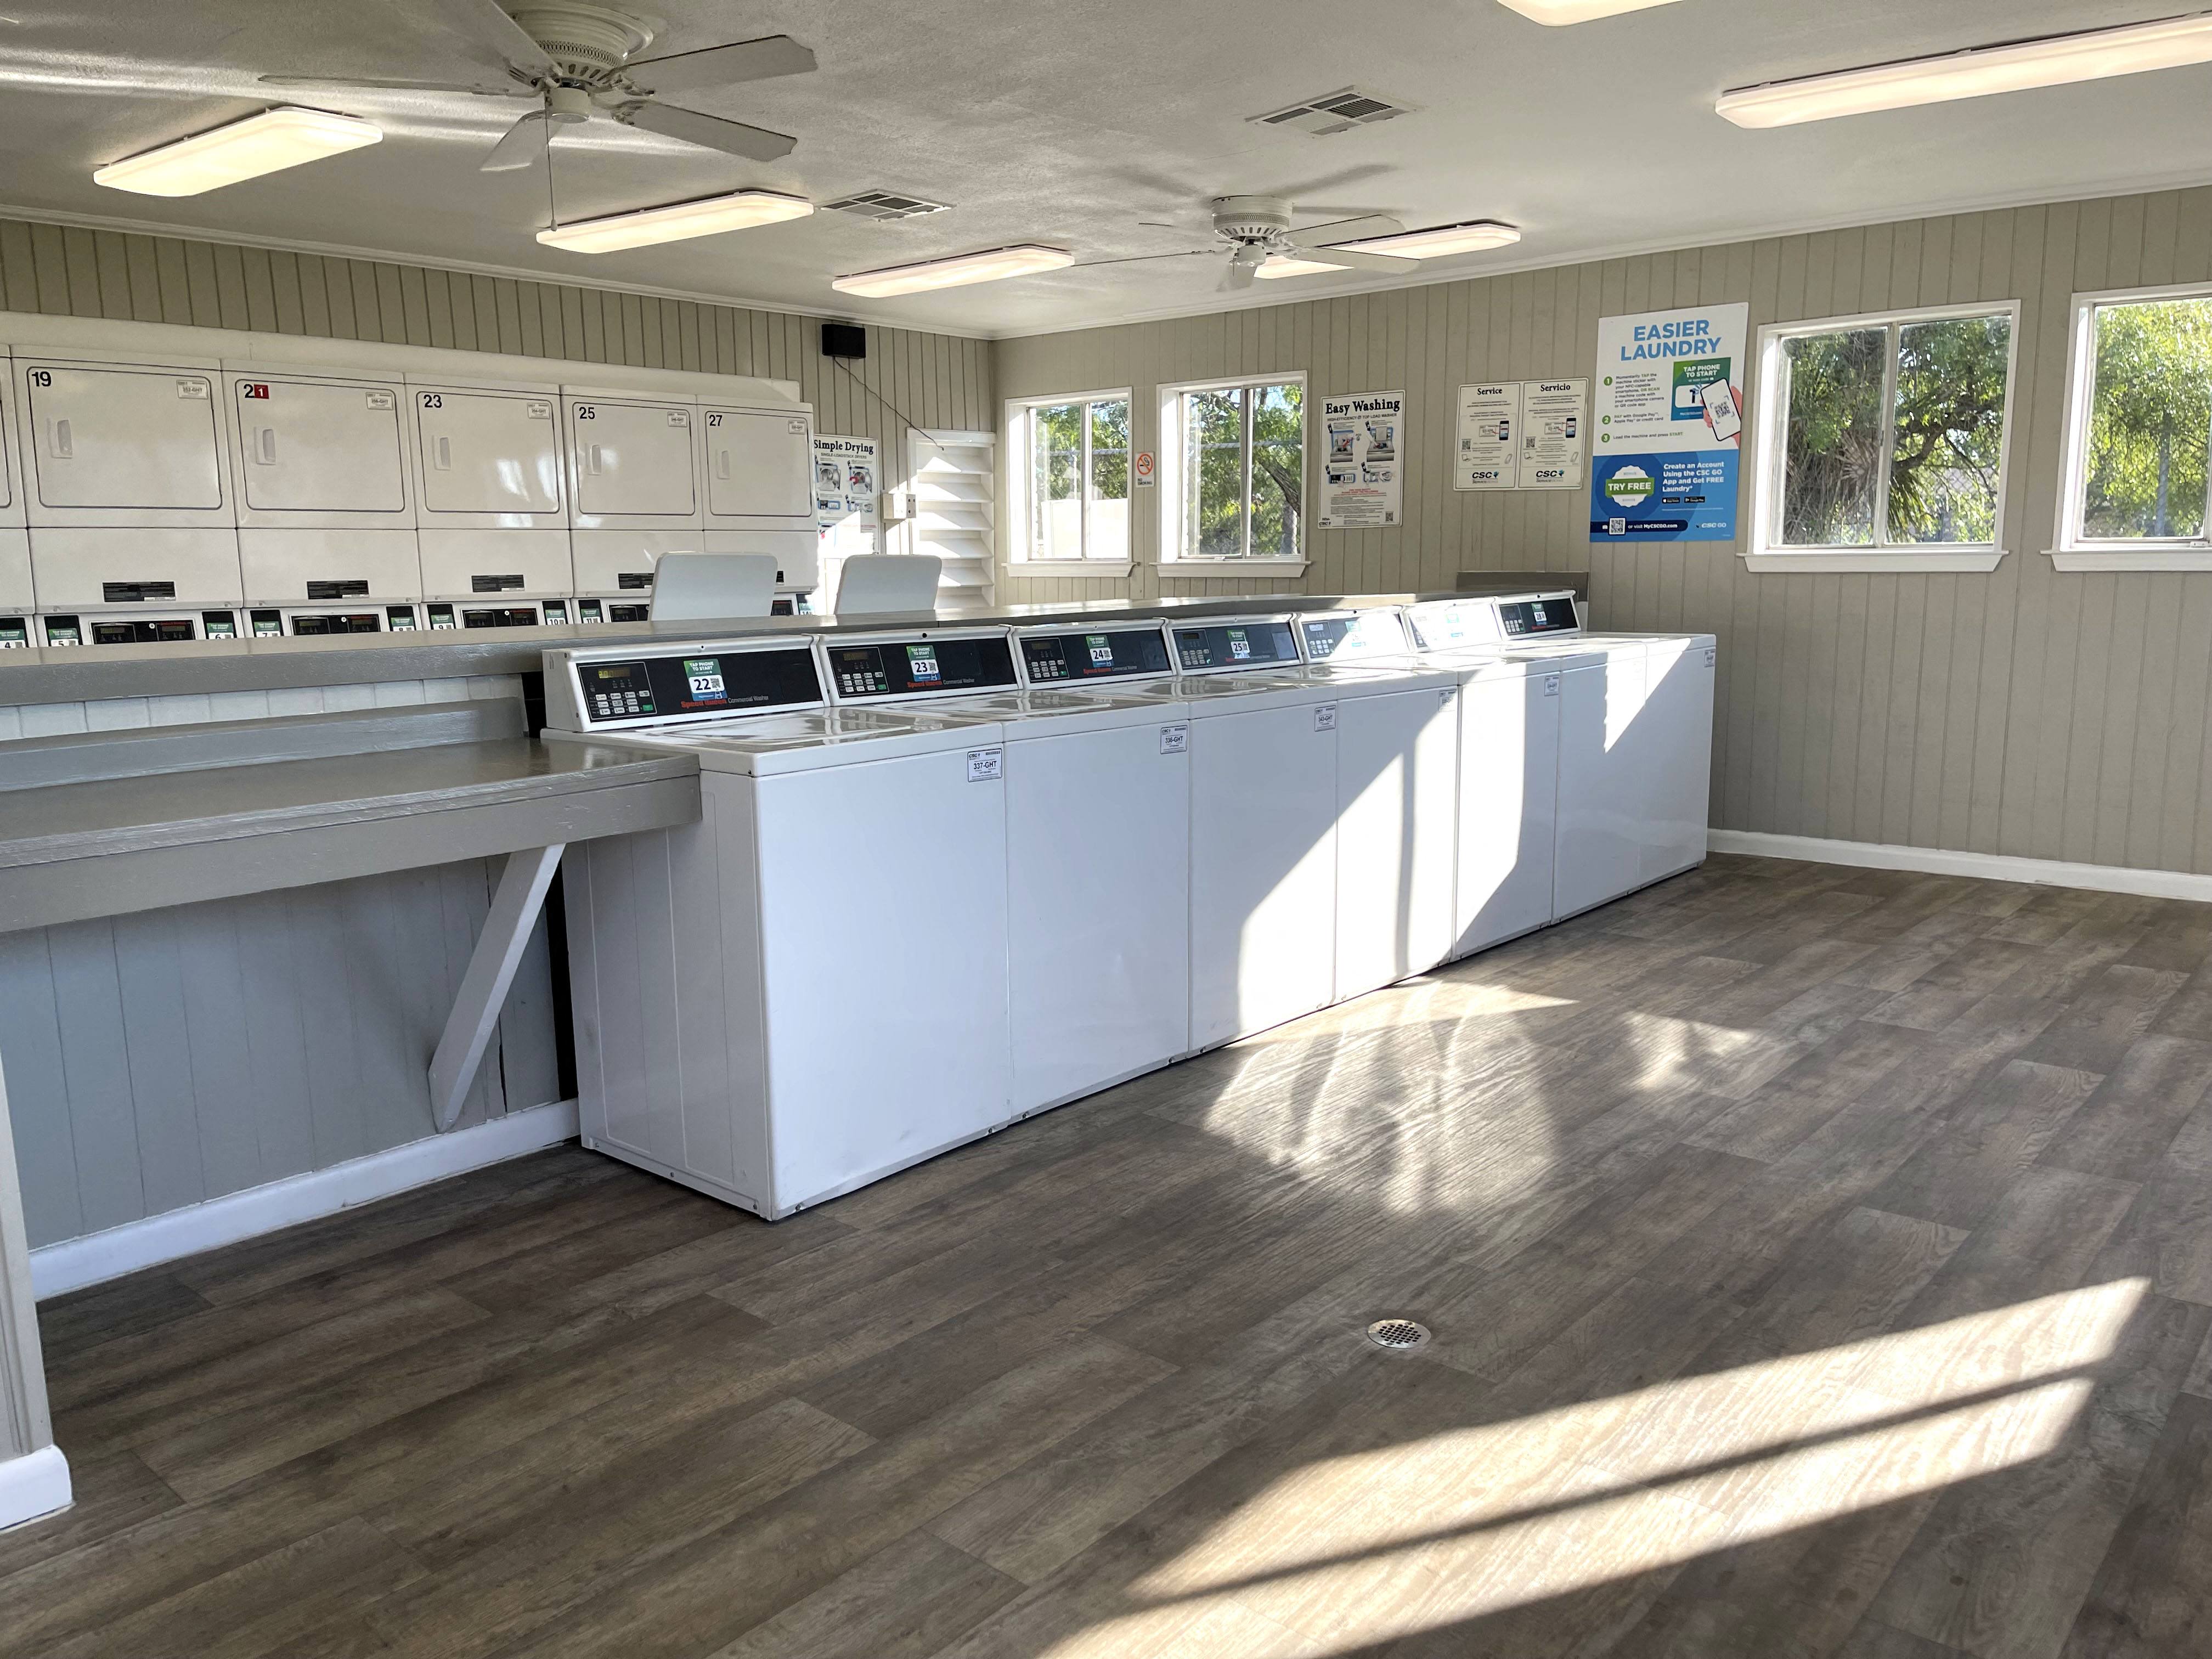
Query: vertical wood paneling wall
(162, 1060)
(933, 380)
(2024, 712)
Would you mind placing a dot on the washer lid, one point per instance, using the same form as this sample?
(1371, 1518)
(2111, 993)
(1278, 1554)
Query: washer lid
(1040, 714)
(776, 744)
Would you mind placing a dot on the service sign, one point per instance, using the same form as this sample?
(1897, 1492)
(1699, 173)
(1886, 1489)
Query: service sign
(1669, 425)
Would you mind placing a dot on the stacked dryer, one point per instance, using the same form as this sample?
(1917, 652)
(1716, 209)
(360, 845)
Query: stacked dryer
(126, 482)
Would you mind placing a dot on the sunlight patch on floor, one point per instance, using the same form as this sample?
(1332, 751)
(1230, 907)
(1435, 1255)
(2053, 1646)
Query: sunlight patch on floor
(1446, 1527)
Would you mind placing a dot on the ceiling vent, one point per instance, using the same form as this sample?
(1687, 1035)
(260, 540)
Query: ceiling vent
(883, 205)
(1339, 111)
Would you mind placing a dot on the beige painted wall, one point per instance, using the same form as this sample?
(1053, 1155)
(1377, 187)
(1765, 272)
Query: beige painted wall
(2024, 712)
(932, 380)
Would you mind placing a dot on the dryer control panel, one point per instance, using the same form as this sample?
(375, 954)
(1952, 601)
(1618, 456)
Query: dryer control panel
(1108, 653)
(601, 691)
(1254, 642)
(917, 665)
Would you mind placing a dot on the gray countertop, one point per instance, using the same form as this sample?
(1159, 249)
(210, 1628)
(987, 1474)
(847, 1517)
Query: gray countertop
(87, 673)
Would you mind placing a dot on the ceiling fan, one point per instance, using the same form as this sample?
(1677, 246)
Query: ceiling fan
(1257, 229)
(580, 62)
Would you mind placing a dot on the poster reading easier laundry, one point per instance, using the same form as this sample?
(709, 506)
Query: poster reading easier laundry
(1362, 470)
(847, 473)
(1669, 425)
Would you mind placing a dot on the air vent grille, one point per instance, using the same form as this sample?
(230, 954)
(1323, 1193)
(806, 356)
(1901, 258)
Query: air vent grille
(884, 205)
(1337, 111)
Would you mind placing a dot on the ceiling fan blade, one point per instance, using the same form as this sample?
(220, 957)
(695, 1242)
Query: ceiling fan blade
(520, 146)
(1139, 259)
(708, 132)
(722, 66)
(498, 30)
(1346, 230)
(371, 84)
(1383, 262)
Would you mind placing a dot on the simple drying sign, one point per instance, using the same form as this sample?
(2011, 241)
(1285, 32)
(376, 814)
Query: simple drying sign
(1669, 425)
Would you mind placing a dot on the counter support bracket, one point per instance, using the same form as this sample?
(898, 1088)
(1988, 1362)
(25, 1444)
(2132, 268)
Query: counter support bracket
(513, 912)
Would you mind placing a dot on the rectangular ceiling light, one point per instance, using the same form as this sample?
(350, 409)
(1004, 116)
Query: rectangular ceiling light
(710, 216)
(1282, 264)
(1438, 243)
(2052, 61)
(990, 267)
(267, 142)
(1556, 12)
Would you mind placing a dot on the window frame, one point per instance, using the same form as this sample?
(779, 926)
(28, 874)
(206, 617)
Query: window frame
(1021, 477)
(1174, 559)
(1770, 425)
(2070, 549)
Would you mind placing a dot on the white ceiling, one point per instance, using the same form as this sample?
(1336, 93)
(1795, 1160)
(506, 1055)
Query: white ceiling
(1070, 125)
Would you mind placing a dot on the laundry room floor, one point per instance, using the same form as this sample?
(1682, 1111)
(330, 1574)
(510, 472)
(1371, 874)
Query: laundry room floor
(1818, 1262)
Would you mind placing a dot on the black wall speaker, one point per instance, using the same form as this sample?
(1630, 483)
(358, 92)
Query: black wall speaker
(844, 340)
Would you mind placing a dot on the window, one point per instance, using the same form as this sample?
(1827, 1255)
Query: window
(1881, 442)
(1071, 460)
(2137, 474)
(1235, 454)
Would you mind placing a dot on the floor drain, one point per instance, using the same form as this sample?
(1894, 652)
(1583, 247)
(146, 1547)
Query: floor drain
(1397, 1334)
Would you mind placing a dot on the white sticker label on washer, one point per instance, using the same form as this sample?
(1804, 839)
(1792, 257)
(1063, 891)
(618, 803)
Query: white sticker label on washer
(1175, 739)
(537, 409)
(986, 764)
(1551, 685)
(191, 389)
(1325, 717)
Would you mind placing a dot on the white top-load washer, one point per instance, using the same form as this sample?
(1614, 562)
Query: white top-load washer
(1321, 824)
(1097, 857)
(1507, 833)
(1635, 738)
(807, 989)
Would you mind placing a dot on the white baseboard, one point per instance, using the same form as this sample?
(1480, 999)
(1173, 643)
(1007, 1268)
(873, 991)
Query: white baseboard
(76, 1263)
(34, 1485)
(1990, 866)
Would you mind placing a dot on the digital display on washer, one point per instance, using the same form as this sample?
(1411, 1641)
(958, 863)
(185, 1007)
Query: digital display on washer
(1370, 634)
(902, 668)
(1522, 618)
(1235, 645)
(660, 688)
(1064, 659)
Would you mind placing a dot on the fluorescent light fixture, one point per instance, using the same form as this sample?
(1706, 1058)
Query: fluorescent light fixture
(1556, 12)
(1438, 243)
(955, 272)
(710, 216)
(2052, 61)
(1281, 264)
(267, 142)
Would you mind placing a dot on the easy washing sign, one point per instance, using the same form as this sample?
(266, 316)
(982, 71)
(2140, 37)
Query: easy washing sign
(1669, 425)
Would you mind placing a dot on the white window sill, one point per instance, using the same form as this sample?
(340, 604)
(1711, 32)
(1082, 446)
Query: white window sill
(2132, 558)
(1873, 561)
(1217, 569)
(1107, 569)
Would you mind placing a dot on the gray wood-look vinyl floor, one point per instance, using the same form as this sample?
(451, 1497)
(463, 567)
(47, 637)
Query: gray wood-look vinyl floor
(1820, 1262)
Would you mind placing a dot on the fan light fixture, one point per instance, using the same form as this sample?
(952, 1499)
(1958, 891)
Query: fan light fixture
(709, 216)
(1556, 12)
(2051, 61)
(1282, 264)
(999, 262)
(1436, 243)
(267, 142)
